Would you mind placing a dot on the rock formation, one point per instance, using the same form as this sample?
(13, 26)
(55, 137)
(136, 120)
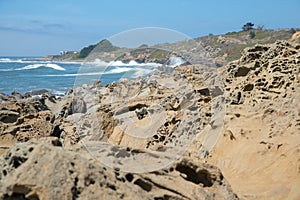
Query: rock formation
(43, 169)
(260, 140)
(161, 137)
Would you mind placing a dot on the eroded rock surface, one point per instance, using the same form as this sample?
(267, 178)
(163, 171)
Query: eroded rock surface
(260, 140)
(161, 137)
(76, 175)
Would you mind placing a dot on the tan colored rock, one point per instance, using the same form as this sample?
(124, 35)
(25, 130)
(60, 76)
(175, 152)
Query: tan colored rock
(260, 140)
(160, 137)
(54, 173)
(295, 36)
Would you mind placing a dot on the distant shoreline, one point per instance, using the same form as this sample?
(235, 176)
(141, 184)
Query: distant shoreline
(52, 58)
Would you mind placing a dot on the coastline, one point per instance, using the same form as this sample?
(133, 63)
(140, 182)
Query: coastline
(155, 119)
(140, 100)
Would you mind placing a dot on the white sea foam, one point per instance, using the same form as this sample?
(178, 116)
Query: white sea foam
(17, 60)
(27, 60)
(100, 72)
(6, 70)
(81, 74)
(118, 70)
(9, 60)
(5, 60)
(121, 64)
(35, 66)
(67, 62)
(136, 72)
(175, 61)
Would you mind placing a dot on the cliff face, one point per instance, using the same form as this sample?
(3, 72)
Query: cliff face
(163, 136)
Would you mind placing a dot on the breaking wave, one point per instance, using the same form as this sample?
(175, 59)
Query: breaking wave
(10, 60)
(134, 72)
(35, 66)
(121, 64)
(34, 60)
(175, 61)
(118, 70)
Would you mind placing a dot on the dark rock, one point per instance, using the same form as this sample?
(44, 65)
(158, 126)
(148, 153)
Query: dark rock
(37, 92)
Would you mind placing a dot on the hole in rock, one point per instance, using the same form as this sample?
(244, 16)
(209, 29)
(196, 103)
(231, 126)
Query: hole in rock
(203, 176)
(143, 184)
(129, 177)
(248, 87)
(242, 71)
(17, 161)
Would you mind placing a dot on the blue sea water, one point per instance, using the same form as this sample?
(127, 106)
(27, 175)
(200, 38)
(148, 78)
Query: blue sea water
(25, 74)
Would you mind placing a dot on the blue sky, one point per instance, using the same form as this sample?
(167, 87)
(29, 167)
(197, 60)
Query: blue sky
(45, 27)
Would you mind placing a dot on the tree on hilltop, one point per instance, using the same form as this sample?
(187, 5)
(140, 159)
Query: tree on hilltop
(248, 26)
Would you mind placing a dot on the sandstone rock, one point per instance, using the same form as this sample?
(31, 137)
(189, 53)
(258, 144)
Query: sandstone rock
(25, 119)
(153, 138)
(295, 36)
(77, 176)
(262, 90)
(4, 98)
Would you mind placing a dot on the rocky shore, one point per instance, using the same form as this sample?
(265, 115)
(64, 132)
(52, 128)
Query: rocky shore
(197, 132)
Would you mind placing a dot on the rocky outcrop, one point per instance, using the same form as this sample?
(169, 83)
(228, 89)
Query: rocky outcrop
(23, 118)
(264, 72)
(262, 126)
(152, 121)
(71, 175)
(161, 137)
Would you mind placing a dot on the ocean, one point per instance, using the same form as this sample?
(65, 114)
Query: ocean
(26, 74)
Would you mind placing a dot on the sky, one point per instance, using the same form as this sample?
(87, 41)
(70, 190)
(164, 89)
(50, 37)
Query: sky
(38, 28)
